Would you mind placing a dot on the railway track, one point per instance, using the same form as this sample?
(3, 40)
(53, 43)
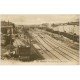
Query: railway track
(62, 46)
(61, 52)
(47, 52)
(53, 52)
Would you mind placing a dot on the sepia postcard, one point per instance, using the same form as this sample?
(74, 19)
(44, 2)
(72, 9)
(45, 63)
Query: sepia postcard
(39, 39)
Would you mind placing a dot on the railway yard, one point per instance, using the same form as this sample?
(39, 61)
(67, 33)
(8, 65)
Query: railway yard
(42, 46)
(53, 49)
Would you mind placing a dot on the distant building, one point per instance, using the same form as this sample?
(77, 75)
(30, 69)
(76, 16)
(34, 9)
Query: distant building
(7, 27)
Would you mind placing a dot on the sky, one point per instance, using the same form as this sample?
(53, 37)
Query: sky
(39, 18)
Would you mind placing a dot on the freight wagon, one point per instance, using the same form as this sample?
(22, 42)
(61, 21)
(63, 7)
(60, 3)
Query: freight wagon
(24, 53)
